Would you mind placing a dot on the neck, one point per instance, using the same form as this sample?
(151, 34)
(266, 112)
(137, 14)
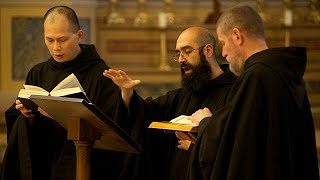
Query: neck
(78, 52)
(216, 72)
(255, 46)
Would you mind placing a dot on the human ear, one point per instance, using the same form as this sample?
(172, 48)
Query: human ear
(80, 35)
(237, 36)
(208, 50)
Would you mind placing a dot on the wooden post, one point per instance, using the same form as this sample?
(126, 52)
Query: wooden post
(83, 136)
(83, 159)
(85, 124)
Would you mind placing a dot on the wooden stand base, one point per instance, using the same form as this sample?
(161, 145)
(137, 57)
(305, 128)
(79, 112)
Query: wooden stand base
(83, 159)
(83, 136)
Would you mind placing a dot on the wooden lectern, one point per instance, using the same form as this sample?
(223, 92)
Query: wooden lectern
(88, 127)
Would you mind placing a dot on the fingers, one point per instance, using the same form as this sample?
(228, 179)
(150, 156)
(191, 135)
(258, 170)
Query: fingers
(112, 73)
(26, 112)
(123, 74)
(193, 137)
(18, 101)
(178, 134)
(136, 82)
(183, 136)
(200, 114)
(184, 144)
(207, 112)
(195, 119)
(204, 111)
(19, 106)
(120, 78)
(109, 73)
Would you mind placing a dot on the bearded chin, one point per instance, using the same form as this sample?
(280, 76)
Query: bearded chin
(237, 69)
(198, 80)
(234, 69)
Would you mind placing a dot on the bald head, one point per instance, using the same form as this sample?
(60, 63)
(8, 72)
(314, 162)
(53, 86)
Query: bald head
(198, 35)
(54, 14)
(195, 53)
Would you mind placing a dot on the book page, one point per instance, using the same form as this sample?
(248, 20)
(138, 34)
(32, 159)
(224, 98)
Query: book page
(26, 93)
(66, 91)
(182, 119)
(69, 82)
(34, 88)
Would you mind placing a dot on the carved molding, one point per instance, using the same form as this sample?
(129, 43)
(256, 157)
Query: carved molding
(27, 3)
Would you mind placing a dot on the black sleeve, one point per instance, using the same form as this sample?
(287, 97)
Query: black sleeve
(11, 115)
(203, 124)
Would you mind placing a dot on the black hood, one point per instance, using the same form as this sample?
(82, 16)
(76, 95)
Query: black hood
(87, 58)
(288, 62)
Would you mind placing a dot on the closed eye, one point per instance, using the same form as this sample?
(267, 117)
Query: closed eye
(188, 51)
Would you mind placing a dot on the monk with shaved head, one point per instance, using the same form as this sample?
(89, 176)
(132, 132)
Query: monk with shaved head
(204, 83)
(38, 148)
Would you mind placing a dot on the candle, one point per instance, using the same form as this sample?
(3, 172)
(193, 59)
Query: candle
(162, 20)
(287, 17)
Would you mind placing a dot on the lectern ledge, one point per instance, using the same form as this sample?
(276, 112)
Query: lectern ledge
(88, 127)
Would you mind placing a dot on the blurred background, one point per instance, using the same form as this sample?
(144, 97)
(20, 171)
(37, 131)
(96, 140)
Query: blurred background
(139, 36)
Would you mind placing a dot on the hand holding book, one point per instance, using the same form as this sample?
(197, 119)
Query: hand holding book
(180, 123)
(28, 113)
(199, 115)
(185, 139)
(183, 119)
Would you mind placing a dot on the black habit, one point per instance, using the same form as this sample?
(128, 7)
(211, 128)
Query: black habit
(41, 151)
(266, 129)
(160, 158)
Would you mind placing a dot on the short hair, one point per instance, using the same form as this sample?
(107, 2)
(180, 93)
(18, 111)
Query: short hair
(206, 37)
(66, 12)
(244, 18)
(202, 36)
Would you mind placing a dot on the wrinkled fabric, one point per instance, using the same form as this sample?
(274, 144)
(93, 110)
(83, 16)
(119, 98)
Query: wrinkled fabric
(266, 129)
(42, 151)
(160, 158)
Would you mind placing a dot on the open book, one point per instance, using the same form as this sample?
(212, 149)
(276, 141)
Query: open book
(180, 123)
(69, 87)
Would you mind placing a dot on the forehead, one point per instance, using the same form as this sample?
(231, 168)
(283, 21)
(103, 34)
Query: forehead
(57, 24)
(219, 31)
(186, 39)
(221, 36)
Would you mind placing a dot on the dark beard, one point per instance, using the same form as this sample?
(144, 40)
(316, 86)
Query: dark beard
(198, 80)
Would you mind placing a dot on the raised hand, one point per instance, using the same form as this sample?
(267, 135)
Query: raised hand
(126, 84)
(120, 78)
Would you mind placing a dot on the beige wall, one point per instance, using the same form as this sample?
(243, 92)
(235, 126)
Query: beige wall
(137, 48)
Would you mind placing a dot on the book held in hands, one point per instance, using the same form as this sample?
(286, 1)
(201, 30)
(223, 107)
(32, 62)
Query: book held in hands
(180, 123)
(69, 87)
